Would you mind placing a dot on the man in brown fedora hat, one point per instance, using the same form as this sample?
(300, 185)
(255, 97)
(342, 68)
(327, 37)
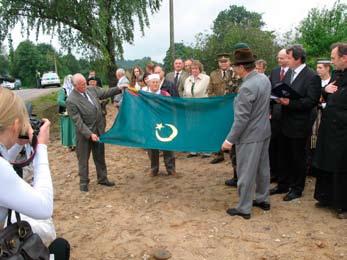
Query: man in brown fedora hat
(251, 134)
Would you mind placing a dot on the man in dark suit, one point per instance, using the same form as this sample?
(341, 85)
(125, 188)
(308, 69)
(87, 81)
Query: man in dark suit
(165, 84)
(85, 110)
(178, 76)
(296, 124)
(279, 74)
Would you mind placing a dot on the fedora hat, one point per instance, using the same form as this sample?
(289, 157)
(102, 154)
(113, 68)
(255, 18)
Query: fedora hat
(243, 56)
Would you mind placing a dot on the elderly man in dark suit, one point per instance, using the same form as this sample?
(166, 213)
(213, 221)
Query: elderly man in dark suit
(251, 134)
(296, 124)
(279, 74)
(85, 110)
(331, 153)
(178, 76)
(165, 84)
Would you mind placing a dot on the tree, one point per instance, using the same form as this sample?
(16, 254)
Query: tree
(69, 65)
(48, 57)
(181, 51)
(230, 27)
(236, 16)
(101, 26)
(25, 63)
(4, 64)
(321, 28)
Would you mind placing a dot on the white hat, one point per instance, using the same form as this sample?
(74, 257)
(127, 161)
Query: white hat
(153, 77)
(323, 61)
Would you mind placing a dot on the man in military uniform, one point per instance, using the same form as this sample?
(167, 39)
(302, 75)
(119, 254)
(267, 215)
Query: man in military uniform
(224, 81)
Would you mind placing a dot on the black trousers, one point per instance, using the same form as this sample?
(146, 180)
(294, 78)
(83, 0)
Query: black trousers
(331, 188)
(169, 160)
(292, 157)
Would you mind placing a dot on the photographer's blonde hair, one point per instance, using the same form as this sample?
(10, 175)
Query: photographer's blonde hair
(12, 107)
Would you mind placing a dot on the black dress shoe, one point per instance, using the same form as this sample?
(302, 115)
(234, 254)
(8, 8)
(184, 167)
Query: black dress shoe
(84, 188)
(235, 212)
(321, 204)
(273, 179)
(292, 195)
(277, 190)
(107, 183)
(217, 160)
(192, 155)
(341, 214)
(231, 182)
(263, 205)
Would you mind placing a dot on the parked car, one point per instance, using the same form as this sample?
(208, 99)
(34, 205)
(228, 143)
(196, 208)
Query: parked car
(9, 85)
(17, 84)
(8, 82)
(50, 79)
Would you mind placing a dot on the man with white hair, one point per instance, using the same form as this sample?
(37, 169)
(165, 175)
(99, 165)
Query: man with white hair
(85, 110)
(123, 82)
(279, 74)
(169, 156)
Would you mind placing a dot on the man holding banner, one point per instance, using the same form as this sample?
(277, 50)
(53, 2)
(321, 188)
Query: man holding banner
(169, 157)
(251, 133)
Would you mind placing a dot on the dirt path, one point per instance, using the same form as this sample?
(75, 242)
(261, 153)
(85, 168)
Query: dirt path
(33, 93)
(185, 215)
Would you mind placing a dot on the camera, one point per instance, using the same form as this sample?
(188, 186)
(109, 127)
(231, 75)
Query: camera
(35, 124)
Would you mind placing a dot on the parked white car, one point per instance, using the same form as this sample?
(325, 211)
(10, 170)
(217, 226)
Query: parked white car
(50, 79)
(9, 85)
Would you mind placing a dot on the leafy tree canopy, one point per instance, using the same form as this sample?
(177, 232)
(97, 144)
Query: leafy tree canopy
(100, 26)
(321, 28)
(181, 51)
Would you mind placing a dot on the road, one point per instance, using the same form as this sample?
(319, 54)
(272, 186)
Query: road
(30, 94)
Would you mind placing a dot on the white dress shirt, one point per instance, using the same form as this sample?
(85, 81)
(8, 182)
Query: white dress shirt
(297, 71)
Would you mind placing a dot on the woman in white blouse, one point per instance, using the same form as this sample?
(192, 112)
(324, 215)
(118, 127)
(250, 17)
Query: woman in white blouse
(34, 201)
(196, 84)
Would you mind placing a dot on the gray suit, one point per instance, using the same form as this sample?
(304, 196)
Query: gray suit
(88, 119)
(251, 134)
(180, 84)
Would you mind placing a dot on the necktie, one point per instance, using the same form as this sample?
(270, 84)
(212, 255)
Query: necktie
(292, 77)
(86, 96)
(282, 74)
(223, 74)
(176, 79)
(192, 90)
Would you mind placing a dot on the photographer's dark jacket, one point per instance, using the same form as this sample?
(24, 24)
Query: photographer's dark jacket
(87, 115)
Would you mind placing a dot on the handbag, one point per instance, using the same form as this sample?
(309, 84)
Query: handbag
(18, 242)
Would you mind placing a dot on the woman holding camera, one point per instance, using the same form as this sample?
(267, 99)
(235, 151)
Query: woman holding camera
(34, 201)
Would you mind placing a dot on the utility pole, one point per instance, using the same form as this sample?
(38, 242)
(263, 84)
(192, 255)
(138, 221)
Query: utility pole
(172, 32)
(55, 64)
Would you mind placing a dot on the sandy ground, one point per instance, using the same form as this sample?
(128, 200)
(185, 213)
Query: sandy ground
(184, 214)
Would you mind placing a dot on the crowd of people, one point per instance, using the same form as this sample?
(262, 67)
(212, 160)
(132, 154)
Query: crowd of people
(273, 138)
(291, 131)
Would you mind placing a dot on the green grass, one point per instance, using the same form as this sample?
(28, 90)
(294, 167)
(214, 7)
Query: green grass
(47, 107)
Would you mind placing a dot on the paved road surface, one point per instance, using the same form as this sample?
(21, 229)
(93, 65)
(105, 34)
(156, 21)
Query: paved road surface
(30, 94)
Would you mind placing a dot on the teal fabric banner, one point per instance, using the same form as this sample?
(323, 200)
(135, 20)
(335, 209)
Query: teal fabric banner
(152, 121)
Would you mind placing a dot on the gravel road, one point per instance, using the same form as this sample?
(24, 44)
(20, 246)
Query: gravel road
(30, 94)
